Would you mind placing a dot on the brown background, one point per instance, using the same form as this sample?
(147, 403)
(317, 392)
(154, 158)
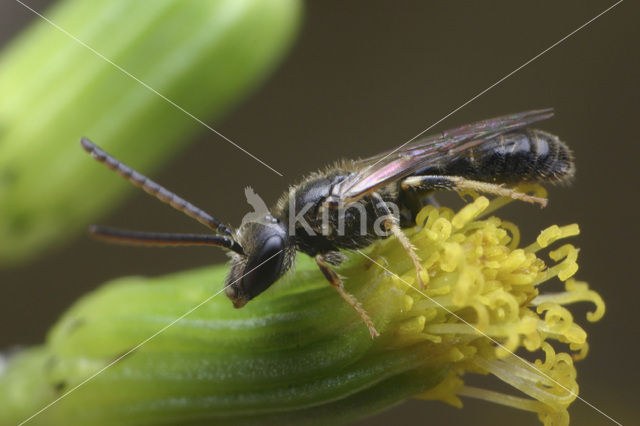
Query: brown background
(364, 77)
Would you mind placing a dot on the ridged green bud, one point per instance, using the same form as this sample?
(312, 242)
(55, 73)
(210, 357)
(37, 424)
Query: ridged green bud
(202, 55)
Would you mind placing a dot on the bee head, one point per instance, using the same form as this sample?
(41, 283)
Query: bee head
(268, 255)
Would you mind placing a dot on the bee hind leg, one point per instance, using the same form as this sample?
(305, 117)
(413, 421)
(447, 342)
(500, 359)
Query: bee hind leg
(336, 283)
(458, 183)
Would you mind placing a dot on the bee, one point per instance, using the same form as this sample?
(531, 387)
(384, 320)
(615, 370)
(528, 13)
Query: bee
(355, 202)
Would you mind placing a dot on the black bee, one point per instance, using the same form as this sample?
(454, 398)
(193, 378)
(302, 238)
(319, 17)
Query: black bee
(353, 203)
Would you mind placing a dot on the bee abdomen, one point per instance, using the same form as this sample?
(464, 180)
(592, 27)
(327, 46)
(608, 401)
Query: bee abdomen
(526, 155)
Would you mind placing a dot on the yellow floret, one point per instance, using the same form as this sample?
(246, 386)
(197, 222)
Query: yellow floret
(484, 301)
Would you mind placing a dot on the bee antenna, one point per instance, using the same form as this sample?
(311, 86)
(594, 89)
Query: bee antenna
(155, 189)
(154, 239)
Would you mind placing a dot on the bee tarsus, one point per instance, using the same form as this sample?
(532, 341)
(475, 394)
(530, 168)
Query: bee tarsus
(336, 282)
(458, 183)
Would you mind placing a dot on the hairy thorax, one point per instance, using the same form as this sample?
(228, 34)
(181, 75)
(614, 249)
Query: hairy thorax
(318, 229)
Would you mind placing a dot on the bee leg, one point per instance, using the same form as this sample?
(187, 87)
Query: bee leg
(391, 223)
(336, 282)
(458, 183)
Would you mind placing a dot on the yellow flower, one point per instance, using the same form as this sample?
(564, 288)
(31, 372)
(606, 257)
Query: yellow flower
(485, 300)
(298, 353)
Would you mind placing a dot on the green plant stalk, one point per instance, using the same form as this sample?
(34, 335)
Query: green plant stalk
(204, 56)
(278, 359)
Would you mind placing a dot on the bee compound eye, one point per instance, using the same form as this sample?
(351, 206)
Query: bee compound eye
(264, 267)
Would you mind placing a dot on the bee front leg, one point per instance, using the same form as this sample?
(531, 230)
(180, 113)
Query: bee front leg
(458, 183)
(336, 282)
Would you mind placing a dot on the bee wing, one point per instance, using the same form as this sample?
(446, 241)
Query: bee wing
(380, 170)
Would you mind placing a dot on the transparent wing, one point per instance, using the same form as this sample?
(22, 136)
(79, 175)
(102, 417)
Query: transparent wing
(380, 170)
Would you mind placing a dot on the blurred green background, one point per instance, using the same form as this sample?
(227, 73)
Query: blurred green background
(364, 77)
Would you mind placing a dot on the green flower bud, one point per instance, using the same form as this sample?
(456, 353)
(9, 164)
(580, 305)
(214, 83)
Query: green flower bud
(202, 55)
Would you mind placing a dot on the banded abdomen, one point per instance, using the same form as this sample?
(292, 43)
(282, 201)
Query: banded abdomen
(525, 155)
